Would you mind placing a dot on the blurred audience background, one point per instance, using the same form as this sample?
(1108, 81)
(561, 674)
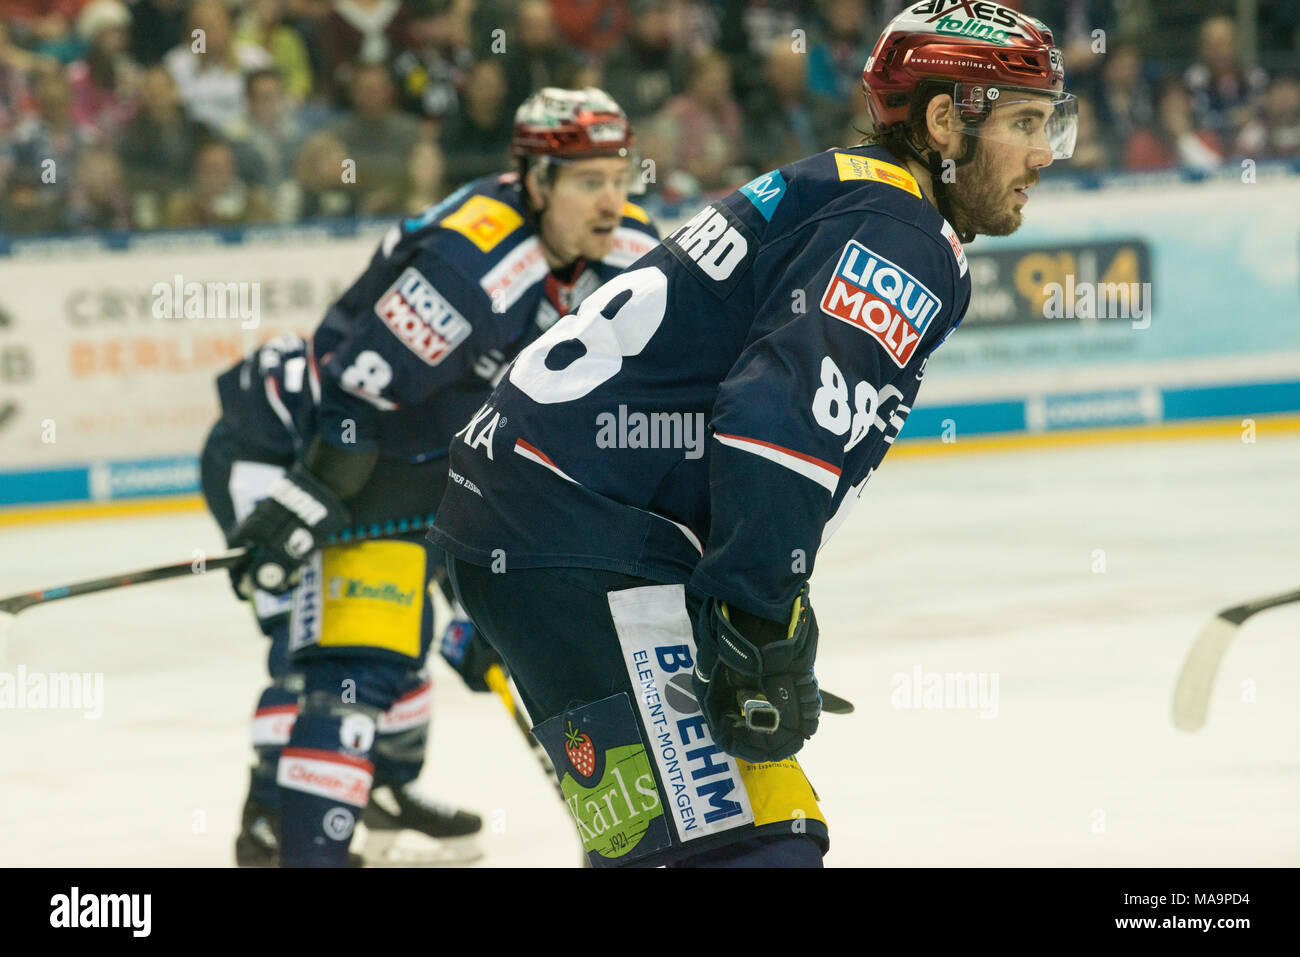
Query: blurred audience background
(143, 114)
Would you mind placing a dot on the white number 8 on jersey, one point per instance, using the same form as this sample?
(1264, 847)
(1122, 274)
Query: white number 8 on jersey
(615, 321)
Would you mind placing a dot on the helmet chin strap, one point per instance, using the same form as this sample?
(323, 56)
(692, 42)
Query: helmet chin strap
(932, 160)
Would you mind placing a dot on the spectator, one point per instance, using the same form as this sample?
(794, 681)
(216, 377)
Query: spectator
(783, 121)
(319, 180)
(425, 181)
(306, 18)
(695, 26)
(158, 145)
(749, 28)
(432, 71)
(48, 30)
(358, 31)
(267, 142)
(696, 138)
(647, 68)
(379, 138)
(43, 156)
(1125, 100)
(209, 70)
(263, 26)
(105, 84)
(98, 199)
(835, 61)
(1224, 95)
(476, 139)
(535, 58)
(218, 196)
(1275, 134)
(16, 99)
(156, 27)
(26, 15)
(593, 26)
(1176, 140)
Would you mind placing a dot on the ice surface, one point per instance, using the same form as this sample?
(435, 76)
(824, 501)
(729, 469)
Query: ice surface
(1079, 577)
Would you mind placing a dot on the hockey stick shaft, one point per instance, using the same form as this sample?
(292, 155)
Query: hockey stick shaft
(496, 680)
(1201, 667)
(16, 603)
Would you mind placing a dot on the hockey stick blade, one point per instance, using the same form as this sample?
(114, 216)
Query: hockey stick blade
(1196, 680)
(834, 704)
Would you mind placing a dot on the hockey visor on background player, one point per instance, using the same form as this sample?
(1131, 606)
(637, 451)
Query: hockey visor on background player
(983, 55)
(557, 126)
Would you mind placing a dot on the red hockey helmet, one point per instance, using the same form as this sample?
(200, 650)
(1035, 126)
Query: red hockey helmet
(977, 51)
(570, 124)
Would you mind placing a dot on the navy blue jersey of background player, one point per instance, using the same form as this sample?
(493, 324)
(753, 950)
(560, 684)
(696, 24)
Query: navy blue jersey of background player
(414, 346)
(792, 318)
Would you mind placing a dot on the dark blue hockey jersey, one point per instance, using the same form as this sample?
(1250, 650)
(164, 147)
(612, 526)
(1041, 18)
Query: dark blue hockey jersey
(269, 399)
(710, 415)
(415, 345)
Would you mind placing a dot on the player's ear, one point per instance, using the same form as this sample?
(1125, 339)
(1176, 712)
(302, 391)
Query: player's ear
(533, 184)
(941, 124)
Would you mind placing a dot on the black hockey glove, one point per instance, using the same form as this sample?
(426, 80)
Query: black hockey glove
(297, 516)
(757, 692)
(465, 649)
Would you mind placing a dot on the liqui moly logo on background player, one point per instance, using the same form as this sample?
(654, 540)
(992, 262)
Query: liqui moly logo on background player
(882, 299)
(423, 320)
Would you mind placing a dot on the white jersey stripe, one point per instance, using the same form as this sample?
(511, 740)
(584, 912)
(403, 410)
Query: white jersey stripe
(534, 455)
(823, 473)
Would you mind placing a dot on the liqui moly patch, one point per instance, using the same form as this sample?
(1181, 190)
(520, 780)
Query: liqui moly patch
(882, 299)
(426, 323)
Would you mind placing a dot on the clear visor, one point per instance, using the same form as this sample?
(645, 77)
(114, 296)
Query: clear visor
(594, 177)
(1031, 119)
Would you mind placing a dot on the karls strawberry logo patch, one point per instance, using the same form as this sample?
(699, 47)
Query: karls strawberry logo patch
(581, 752)
(882, 299)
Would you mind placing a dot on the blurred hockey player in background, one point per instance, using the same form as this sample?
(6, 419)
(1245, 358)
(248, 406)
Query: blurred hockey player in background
(635, 512)
(345, 437)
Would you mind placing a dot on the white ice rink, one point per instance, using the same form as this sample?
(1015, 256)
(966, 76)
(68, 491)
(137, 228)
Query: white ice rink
(1077, 576)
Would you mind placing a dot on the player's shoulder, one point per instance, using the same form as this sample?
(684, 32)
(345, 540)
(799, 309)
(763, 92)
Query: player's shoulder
(833, 198)
(470, 230)
(836, 187)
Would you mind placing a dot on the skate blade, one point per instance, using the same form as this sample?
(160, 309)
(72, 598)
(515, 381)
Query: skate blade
(406, 848)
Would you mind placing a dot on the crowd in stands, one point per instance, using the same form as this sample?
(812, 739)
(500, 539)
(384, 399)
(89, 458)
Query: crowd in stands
(173, 113)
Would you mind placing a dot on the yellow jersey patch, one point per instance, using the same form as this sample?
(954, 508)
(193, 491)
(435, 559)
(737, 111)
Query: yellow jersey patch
(864, 167)
(779, 791)
(484, 221)
(371, 594)
(636, 212)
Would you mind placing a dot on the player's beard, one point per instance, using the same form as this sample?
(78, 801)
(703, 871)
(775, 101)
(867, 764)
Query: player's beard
(981, 202)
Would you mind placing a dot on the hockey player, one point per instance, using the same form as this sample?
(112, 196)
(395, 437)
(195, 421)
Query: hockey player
(634, 514)
(269, 404)
(368, 410)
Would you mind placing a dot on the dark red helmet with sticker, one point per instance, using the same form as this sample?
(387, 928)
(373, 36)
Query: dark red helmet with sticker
(570, 124)
(979, 49)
